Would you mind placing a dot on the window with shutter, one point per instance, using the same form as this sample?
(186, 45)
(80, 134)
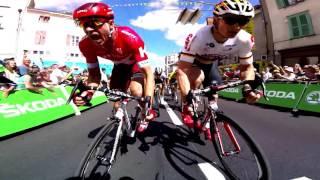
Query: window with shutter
(286, 3)
(300, 25)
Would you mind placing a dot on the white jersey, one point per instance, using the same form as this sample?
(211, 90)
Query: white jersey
(204, 45)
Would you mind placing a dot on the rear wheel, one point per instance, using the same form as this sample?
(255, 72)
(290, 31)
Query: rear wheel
(96, 163)
(157, 100)
(249, 162)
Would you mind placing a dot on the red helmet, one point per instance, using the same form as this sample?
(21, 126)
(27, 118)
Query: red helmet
(93, 9)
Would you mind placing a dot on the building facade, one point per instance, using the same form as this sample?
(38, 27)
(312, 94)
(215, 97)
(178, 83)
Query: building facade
(295, 30)
(42, 35)
(171, 63)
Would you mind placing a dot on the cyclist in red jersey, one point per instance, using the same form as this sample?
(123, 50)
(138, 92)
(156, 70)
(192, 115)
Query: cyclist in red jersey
(120, 44)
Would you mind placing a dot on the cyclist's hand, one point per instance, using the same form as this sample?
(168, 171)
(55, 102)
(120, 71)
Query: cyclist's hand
(81, 99)
(251, 95)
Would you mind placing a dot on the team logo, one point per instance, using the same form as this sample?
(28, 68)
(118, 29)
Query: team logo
(313, 98)
(211, 45)
(187, 42)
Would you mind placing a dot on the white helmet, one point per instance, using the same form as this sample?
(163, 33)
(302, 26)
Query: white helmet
(237, 7)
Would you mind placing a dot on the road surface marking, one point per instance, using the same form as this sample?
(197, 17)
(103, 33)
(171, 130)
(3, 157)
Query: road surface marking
(211, 172)
(301, 178)
(175, 119)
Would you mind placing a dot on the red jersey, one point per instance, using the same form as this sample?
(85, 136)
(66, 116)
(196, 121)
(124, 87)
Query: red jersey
(126, 48)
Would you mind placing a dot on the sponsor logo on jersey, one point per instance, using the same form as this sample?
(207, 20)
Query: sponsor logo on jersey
(214, 57)
(129, 34)
(119, 50)
(143, 63)
(187, 42)
(211, 45)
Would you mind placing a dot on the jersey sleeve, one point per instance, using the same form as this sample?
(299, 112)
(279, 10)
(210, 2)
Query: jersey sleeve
(247, 43)
(190, 48)
(137, 47)
(245, 51)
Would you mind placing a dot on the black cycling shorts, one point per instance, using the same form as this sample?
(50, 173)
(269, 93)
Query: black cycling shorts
(211, 73)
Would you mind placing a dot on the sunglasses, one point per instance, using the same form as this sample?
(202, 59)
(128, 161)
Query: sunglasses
(91, 22)
(231, 20)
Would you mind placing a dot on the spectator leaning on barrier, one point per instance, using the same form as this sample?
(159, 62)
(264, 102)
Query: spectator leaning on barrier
(32, 82)
(6, 85)
(26, 64)
(266, 74)
(11, 69)
(57, 75)
(288, 74)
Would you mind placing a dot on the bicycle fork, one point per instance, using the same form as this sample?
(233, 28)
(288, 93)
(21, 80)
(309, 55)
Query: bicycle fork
(121, 116)
(231, 136)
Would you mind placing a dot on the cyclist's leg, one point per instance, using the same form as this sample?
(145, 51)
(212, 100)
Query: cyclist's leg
(211, 76)
(120, 73)
(136, 86)
(188, 77)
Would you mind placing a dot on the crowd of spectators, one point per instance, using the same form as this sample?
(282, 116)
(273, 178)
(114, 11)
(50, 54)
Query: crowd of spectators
(295, 73)
(278, 73)
(33, 78)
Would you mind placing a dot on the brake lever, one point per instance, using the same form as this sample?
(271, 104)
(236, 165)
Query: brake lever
(78, 86)
(258, 81)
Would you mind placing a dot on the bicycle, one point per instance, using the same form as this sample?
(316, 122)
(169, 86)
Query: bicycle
(102, 152)
(157, 97)
(240, 155)
(174, 93)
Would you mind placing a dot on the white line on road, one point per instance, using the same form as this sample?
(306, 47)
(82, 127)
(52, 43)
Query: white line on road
(211, 172)
(301, 178)
(175, 119)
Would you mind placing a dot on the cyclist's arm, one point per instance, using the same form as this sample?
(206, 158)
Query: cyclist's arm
(94, 72)
(246, 69)
(246, 57)
(149, 87)
(94, 76)
(29, 85)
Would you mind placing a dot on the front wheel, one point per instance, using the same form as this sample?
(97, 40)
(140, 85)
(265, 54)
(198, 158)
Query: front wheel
(242, 157)
(96, 163)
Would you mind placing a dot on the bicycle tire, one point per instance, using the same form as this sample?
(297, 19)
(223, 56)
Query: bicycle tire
(157, 101)
(237, 165)
(101, 146)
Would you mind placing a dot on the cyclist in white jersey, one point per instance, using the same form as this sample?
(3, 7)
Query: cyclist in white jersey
(202, 51)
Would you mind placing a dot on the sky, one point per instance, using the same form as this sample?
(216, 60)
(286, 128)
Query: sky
(153, 20)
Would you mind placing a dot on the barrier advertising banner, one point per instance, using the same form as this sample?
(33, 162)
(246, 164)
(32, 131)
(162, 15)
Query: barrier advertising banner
(24, 109)
(232, 93)
(311, 99)
(283, 94)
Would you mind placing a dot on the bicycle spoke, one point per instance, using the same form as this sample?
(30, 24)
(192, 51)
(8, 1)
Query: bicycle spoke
(97, 161)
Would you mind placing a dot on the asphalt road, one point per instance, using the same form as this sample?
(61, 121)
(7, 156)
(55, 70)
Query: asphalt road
(53, 152)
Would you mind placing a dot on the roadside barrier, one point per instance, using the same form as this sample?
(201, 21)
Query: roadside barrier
(293, 95)
(23, 109)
